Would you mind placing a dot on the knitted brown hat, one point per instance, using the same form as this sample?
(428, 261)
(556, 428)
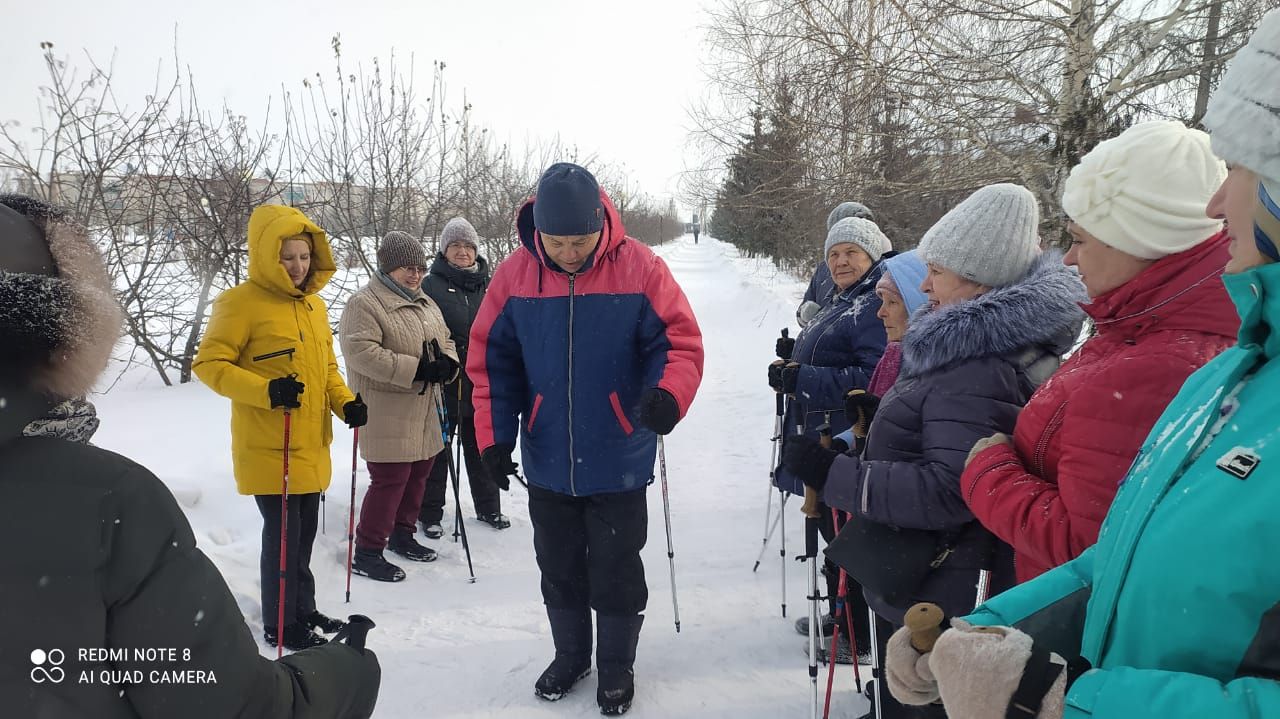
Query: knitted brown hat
(400, 249)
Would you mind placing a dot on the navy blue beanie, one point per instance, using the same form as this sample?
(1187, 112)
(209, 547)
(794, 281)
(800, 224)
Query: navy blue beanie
(568, 201)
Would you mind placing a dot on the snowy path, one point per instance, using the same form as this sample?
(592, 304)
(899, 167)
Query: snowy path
(454, 650)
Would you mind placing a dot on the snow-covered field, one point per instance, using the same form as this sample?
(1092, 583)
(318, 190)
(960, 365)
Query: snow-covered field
(454, 650)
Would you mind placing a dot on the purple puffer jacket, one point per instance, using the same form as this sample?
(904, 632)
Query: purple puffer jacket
(967, 371)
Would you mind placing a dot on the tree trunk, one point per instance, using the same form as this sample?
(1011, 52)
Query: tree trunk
(1209, 65)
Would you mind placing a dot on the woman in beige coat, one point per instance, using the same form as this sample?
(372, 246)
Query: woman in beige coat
(397, 350)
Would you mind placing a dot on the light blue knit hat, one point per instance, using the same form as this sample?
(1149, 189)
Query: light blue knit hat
(906, 273)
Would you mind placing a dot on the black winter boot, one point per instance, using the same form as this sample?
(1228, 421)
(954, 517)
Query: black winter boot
(571, 633)
(828, 625)
(615, 656)
(370, 563)
(326, 624)
(297, 636)
(403, 543)
(497, 520)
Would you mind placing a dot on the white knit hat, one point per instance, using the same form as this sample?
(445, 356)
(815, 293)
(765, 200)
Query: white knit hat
(863, 233)
(1243, 118)
(991, 238)
(1144, 191)
(855, 209)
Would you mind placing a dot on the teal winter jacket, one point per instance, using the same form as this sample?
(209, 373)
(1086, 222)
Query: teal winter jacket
(1177, 607)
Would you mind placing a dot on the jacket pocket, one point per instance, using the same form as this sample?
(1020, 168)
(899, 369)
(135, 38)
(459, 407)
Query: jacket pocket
(533, 413)
(619, 414)
(278, 353)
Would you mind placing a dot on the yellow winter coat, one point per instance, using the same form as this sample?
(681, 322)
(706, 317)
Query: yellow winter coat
(266, 328)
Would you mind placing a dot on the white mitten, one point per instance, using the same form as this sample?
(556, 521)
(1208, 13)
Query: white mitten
(979, 668)
(907, 671)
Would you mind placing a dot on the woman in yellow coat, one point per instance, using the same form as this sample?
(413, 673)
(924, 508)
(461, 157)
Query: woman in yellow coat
(268, 347)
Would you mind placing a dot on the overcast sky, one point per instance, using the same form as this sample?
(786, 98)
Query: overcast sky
(613, 78)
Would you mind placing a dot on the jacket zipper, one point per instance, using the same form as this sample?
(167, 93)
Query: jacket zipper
(573, 490)
(1042, 447)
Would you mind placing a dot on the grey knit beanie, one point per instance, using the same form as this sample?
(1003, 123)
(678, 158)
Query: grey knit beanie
(1243, 117)
(863, 233)
(848, 209)
(991, 238)
(458, 230)
(400, 249)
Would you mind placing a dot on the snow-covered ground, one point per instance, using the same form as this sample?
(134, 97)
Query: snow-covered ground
(454, 650)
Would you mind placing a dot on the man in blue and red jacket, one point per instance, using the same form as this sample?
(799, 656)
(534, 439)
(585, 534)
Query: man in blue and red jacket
(587, 348)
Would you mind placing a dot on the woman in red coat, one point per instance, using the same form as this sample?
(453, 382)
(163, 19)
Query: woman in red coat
(1151, 261)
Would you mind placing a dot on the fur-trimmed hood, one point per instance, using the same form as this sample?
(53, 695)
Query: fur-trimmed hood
(77, 306)
(1041, 309)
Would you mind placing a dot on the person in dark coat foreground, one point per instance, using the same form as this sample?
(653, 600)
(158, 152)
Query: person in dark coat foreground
(99, 555)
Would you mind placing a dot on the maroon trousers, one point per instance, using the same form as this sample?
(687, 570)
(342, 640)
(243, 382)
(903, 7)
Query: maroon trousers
(392, 501)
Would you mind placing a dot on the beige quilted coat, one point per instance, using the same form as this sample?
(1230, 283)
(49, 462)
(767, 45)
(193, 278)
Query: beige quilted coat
(381, 335)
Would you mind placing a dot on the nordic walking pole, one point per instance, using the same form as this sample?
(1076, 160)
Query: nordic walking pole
(452, 471)
(772, 528)
(773, 469)
(773, 460)
(351, 513)
(782, 552)
(284, 536)
(811, 557)
(324, 513)
(666, 513)
(841, 615)
(459, 528)
(457, 459)
(876, 670)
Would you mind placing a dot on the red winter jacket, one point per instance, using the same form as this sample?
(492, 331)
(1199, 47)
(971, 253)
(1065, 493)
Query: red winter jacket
(1048, 493)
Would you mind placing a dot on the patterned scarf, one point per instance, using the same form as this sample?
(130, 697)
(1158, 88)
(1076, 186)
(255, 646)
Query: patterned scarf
(75, 420)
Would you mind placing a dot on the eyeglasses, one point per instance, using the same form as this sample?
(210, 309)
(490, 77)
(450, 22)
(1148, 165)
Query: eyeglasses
(414, 269)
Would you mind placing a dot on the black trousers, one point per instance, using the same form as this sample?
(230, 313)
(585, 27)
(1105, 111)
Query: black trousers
(890, 708)
(855, 603)
(300, 583)
(588, 549)
(484, 493)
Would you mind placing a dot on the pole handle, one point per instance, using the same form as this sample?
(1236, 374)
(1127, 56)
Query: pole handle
(924, 620)
(812, 503)
(354, 633)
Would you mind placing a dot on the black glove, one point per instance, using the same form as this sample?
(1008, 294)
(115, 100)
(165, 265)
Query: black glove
(355, 413)
(784, 347)
(658, 410)
(783, 377)
(284, 392)
(808, 460)
(498, 463)
(859, 409)
(839, 445)
(435, 371)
